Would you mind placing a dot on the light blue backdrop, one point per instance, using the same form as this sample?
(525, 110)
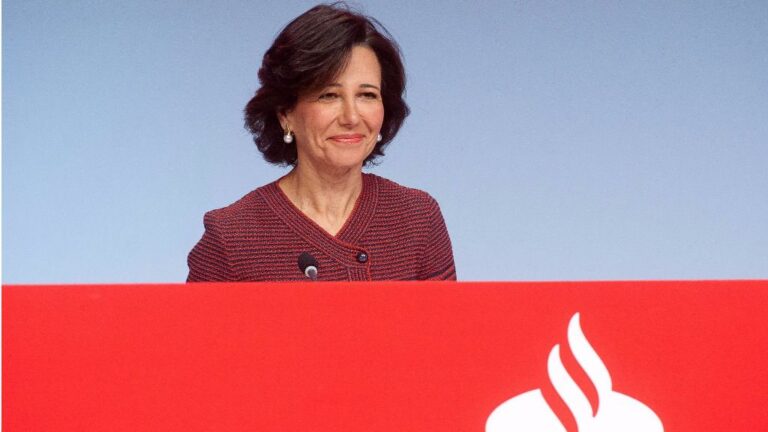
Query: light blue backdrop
(564, 140)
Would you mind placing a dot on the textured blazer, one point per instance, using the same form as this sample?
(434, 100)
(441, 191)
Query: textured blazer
(393, 233)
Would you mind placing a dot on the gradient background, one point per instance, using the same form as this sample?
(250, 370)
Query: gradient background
(563, 140)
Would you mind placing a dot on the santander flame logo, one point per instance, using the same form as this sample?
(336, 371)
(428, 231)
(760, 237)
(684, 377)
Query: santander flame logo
(615, 412)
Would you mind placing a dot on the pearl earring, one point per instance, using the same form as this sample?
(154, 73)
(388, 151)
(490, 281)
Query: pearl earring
(379, 138)
(288, 137)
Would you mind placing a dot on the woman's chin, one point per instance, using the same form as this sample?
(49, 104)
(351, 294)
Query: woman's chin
(343, 167)
(347, 160)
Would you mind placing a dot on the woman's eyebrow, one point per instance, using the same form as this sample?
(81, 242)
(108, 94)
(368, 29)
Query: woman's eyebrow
(361, 85)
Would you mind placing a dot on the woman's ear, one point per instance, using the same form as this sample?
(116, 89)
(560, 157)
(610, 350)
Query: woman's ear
(282, 117)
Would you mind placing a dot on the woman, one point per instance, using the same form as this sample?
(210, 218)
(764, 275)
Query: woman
(330, 101)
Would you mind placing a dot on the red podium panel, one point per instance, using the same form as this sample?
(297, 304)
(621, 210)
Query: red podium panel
(385, 356)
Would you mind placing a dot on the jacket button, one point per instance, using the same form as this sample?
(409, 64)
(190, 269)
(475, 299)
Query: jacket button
(362, 257)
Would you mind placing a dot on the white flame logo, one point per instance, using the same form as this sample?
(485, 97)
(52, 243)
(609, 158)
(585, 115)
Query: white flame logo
(531, 412)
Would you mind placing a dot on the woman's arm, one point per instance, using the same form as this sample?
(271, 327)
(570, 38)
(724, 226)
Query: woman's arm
(208, 260)
(438, 260)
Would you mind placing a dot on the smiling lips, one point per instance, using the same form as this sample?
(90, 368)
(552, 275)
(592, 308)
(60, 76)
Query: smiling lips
(348, 138)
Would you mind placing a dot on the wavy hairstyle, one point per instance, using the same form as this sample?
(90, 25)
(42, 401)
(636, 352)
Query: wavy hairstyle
(310, 52)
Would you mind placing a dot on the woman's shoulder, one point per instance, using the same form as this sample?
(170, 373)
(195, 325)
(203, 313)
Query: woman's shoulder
(389, 190)
(389, 187)
(249, 206)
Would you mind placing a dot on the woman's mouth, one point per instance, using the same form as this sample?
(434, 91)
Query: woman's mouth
(347, 138)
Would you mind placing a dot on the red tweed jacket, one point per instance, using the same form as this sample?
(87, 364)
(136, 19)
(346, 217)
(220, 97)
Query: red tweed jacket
(393, 233)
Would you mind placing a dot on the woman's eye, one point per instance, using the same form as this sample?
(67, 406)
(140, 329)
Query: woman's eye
(328, 96)
(370, 95)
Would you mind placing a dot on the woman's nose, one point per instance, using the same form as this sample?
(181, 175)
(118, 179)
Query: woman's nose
(349, 115)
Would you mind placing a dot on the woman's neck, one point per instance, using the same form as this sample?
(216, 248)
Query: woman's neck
(327, 199)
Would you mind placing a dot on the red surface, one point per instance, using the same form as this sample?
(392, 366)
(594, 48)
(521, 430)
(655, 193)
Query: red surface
(370, 356)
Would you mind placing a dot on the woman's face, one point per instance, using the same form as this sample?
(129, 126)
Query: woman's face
(336, 128)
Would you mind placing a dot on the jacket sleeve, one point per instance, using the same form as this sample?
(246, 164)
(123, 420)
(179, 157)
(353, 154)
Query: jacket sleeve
(439, 263)
(208, 260)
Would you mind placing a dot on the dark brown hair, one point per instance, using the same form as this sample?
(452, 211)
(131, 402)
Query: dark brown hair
(307, 55)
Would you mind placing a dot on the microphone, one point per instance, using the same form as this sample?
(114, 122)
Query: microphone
(308, 265)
